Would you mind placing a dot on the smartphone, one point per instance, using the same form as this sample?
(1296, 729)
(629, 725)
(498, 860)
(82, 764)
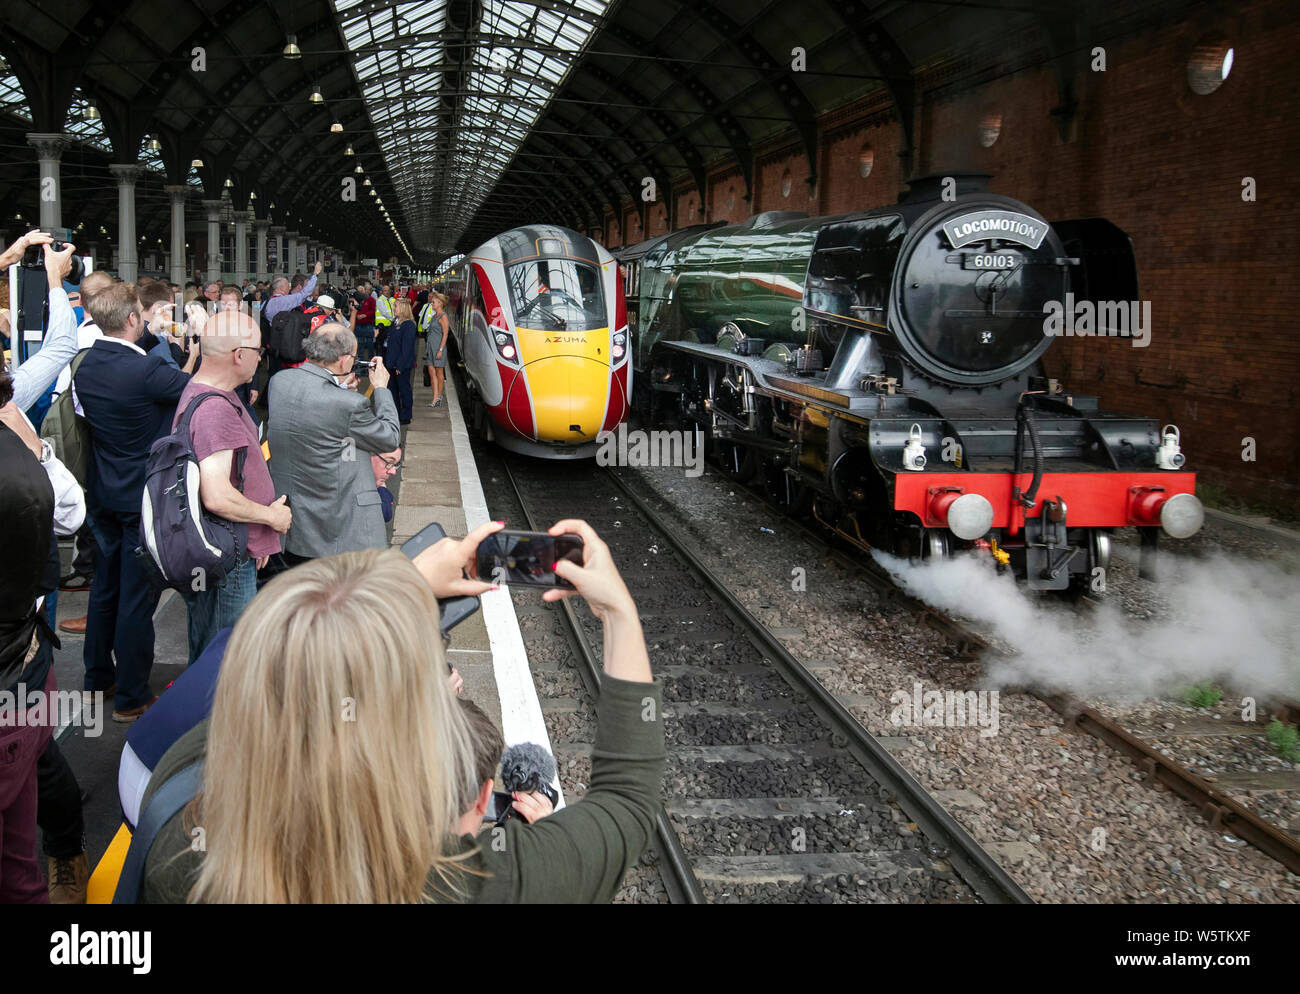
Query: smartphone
(451, 610)
(527, 558)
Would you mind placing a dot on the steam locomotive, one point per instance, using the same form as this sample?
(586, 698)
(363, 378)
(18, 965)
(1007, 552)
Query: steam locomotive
(543, 336)
(881, 371)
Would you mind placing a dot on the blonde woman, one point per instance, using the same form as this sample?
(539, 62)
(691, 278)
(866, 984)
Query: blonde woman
(399, 357)
(438, 327)
(338, 766)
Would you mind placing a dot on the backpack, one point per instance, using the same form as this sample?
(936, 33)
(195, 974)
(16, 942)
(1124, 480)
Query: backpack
(66, 431)
(189, 548)
(290, 329)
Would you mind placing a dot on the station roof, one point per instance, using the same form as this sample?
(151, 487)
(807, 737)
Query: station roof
(456, 119)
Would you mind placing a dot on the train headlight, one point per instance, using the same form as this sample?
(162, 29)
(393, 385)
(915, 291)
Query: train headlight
(620, 339)
(508, 351)
(502, 339)
(617, 351)
(1181, 516)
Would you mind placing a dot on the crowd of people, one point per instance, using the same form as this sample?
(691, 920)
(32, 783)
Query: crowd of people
(337, 762)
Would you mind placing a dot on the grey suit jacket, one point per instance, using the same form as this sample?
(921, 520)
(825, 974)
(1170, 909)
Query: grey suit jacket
(321, 437)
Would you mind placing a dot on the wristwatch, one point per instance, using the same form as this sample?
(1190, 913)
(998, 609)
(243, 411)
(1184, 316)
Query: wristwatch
(47, 451)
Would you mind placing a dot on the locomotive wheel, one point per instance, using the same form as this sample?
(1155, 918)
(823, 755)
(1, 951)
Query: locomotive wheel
(1081, 584)
(690, 406)
(737, 462)
(917, 544)
(787, 493)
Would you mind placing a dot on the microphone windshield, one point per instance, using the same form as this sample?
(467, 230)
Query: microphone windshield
(527, 767)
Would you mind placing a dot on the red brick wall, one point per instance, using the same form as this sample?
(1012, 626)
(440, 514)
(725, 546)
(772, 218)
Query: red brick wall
(659, 216)
(768, 175)
(843, 188)
(727, 197)
(632, 232)
(613, 234)
(687, 198)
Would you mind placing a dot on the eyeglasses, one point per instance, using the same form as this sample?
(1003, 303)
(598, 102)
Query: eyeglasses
(392, 463)
(259, 349)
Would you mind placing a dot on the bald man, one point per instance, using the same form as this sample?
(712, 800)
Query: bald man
(234, 482)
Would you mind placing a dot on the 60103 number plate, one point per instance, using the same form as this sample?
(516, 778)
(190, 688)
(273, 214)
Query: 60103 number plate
(990, 260)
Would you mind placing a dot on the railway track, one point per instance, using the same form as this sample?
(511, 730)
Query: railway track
(1151, 749)
(775, 792)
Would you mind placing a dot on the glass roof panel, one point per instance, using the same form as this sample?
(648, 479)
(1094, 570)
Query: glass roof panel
(12, 99)
(450, 117)
(89, 131)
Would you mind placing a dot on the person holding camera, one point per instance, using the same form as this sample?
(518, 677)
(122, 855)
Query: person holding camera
(176, 343)
(383, 756)
(320, 437)
(34, 376)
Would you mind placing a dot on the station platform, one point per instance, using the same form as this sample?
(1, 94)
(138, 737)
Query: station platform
(438, 481)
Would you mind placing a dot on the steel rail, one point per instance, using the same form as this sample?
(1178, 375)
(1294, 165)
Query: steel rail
(980, 871)
(679, 879)
(1220, 810)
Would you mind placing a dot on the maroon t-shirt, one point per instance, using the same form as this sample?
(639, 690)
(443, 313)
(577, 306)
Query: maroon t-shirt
(216, 426)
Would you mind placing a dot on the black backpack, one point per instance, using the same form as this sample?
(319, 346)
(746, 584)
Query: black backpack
(289, 329)
(183, 546)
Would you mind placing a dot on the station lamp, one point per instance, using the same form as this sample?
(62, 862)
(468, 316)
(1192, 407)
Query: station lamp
(336, 128)
(196, 163)
(291, 49)
(348, 151)
(154, 145)
(316, 96)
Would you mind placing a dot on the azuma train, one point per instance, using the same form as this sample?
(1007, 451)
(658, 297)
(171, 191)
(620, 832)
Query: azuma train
(542, 334)
(881, 371)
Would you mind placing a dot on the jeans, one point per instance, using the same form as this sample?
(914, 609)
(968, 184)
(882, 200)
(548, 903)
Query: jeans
(119, 618)
(219, 607)
(400, 387)
(58, 805)
(21, 745)
(83, 561)
(365, 342)
(58, 795)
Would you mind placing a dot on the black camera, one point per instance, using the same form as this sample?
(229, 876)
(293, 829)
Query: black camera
(34, 258)
(525, 767)
(31, 307)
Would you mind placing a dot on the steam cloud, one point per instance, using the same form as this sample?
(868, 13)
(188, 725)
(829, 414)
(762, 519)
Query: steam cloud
(1218, 619)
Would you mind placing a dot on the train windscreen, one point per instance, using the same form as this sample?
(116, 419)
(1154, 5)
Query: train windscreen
(556, 294)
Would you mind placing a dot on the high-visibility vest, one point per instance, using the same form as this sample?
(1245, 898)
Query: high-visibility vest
(384, 311)
(427, 316)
